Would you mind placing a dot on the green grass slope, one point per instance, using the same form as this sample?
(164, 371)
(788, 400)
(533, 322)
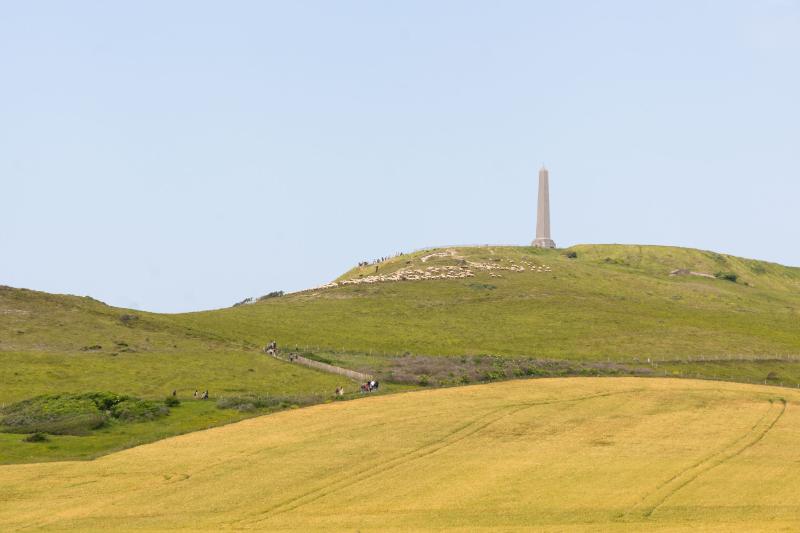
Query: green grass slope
(73, 344)
(611, 301)
(584, 306)
(67, 344)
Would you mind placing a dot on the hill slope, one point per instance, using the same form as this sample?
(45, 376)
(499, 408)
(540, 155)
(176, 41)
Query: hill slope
(565, 454)
(610, 301)
(529, 306)
(51, 344)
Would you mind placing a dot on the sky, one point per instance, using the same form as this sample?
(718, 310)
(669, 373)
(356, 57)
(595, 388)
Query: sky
(183, 155)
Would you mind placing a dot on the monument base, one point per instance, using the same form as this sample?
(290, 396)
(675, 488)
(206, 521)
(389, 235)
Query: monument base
(544, 243)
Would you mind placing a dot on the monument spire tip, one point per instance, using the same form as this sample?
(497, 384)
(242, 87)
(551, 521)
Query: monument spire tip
(543, 239)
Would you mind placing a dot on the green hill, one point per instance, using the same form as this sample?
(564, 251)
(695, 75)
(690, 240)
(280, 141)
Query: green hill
(54, 344)
(498, 312)
(609, 301)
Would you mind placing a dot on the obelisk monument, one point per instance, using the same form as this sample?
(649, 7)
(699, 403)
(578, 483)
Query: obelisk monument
(543, 239)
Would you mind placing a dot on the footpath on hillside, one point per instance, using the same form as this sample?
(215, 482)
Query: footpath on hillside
(293, 357)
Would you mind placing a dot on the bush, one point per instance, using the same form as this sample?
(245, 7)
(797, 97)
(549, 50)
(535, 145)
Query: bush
(133, 410)
(493, 376)
(92, 348)
(36, 437)
(55, 414)
(251, 402)
(75, 414)
(727, 276)
(171, 401)
(273, 294)
(571, 254)
(104, 400)
(128, 319)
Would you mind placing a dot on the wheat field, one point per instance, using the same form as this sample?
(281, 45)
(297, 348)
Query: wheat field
(552, 454)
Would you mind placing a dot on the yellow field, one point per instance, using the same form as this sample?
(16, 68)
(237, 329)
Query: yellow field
(561, 454)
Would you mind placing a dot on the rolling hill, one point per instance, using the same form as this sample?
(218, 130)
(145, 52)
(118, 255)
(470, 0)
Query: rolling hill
(55, 344)
(552, 455)
(618, 302)
(434, 317)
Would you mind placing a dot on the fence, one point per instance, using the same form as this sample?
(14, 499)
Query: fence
(325, 367)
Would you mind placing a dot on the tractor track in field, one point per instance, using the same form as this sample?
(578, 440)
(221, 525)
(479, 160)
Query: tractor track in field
(650, 503)
(381, 467)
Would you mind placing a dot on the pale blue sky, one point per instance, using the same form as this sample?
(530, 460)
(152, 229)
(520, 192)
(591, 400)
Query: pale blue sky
(177, 156)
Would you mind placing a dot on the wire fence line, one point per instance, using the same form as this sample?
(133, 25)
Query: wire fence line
(325, 367)
(620, 360)
(653, 364)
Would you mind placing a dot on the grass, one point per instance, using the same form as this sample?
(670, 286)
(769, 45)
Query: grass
(154, 375)
(189, 416)
(554, 454)
(617, 302)
(76, 414)
(600, 309)
(150, 375)
(42, 341)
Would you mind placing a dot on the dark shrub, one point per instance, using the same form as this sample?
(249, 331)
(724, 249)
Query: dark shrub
(727, 276)
(493, 376)
(56, 414)
(273, 294)
(571, 254)
(171, 401)
(133, 410)
(36, 437)
(424, 381)
(103, 400)
(76, 414)
(128, 319)
(246, 301)
(252, 402)
(92, 348)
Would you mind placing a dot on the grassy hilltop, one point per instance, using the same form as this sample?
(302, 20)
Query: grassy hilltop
(498, 312)
(610, 301)
(551, 455)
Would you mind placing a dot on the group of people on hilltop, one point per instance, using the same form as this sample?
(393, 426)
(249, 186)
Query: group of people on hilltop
(376, 261)
(373, 262)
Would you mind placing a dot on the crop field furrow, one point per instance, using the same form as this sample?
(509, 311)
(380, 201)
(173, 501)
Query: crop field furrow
(564, 454)
(651, 502)
(459, 434)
